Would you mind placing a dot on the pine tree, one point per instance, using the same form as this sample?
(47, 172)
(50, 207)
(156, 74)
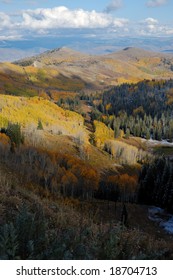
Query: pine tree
(127, 133)
(8, 242)
(148, 134)
(39, 126)
(15, 134)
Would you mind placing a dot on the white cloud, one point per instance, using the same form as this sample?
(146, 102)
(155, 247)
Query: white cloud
(39, 22)
(5, 21)
(120, 22)
(113, 6)
(151, 21)
(156, 3)
(151, 26)
(10, 37)
(169, 31)
(62, 17)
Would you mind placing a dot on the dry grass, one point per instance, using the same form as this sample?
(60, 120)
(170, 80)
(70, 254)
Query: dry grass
(71, 71)
(133, 141)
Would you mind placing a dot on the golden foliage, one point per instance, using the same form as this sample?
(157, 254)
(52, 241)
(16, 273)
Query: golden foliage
(27, 112)
(54, 171)
(56, 94)
(126, 181)
(4, 139)
(102, 133)
(139, 110)
(108, 106)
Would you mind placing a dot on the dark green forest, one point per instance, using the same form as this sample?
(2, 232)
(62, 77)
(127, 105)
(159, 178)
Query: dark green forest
(143, 109)
(156, 184)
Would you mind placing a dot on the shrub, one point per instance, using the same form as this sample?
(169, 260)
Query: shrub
(15, 134)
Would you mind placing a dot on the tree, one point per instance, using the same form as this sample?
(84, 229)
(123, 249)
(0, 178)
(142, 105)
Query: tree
(112, 191)
(15, 134)
(148, 134)
(124, 216)
(127, 133)
(116, 127)
(40, 126)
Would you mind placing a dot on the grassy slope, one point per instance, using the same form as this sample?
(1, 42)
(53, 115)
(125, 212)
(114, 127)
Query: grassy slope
(32, 81)
(136, 64)
(66, 70)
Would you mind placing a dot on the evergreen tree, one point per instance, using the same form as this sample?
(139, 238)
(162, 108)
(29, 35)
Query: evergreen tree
(15, 134)
(147, 134)
(156, 184)
(127, 133)
(40, 126)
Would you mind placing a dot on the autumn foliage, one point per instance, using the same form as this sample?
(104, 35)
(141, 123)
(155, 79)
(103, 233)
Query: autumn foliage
(55, 172)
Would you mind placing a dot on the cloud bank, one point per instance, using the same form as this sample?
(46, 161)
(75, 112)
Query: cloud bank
(62, 17)
(47, 21)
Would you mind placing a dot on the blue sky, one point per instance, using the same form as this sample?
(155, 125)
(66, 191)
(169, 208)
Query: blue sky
(117, 17)
(132, 9)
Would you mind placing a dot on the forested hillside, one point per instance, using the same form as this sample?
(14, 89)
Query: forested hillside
(143, 109)
(82, 161)
(139, 110)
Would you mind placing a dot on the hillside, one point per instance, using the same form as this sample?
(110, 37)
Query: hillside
(64, 70)
(29, 111)
(35, 224)
(77, 161)
(128, 65)
(62, 130)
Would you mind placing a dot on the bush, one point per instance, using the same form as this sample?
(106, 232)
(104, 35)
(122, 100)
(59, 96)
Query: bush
(15, 134)
(40, 126)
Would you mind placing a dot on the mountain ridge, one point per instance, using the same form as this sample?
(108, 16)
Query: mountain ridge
(90, 71)
(69, 51)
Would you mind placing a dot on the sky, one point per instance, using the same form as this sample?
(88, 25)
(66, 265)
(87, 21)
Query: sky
(37, 18)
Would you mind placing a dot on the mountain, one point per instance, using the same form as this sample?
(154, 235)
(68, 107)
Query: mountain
(66, 70)
(100, 71)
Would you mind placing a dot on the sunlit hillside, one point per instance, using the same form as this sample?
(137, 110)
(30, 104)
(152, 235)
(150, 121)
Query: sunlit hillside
(128, 65)
(64, 70)
(28, 111)
(32, 81)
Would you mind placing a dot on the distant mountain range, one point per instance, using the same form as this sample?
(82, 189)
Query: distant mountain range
(11, 54)
(11, 50)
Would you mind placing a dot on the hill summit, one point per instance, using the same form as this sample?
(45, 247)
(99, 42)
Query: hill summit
(99, 71)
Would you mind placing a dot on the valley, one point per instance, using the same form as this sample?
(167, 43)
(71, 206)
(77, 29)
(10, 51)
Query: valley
(81, 137)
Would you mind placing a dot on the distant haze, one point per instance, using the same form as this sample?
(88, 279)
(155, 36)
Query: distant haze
(95, 27)
(13, 50)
